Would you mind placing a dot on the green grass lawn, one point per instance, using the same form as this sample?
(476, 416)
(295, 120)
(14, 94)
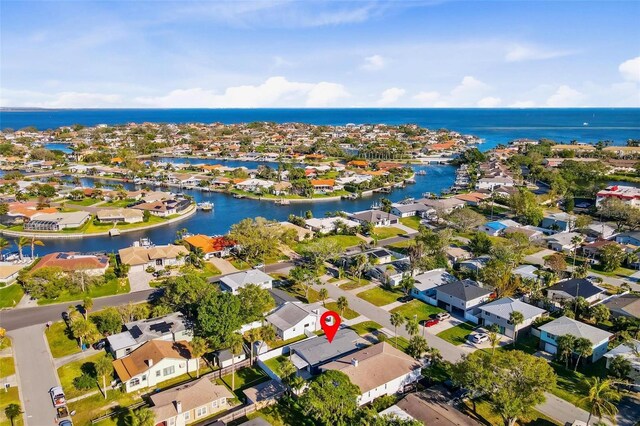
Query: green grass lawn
(313, 295)
(458, 334)
(353, 284)
(400, 246)
(240, 264)
(344, 241)
(280, 343)
(96, 405)
(403, 343)
(365, 327)
(287, 411)
(411, 221)
(379, 296)
(70, 371)
(61, 342)
(486, 415)
(347, 314)
(12, 396)
(7, 366)
(388, 232)
(118, 203)
(618, 272)
(84, 202)
(10, 295)
(275, 364)
(92, 228)
(416, 307)
(245, 378)
(115, 286)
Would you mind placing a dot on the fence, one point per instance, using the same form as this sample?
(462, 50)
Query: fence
(229, 416)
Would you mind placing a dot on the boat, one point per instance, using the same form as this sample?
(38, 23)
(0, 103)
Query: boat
(114, 232)
(585, 124)
(428, 195)
(410, 180)
(421, 172)
(239, 196)
(282, 202)
(143, 242)
(205, 206)
(349, 197)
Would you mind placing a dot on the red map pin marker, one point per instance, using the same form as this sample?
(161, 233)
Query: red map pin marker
(330, 321)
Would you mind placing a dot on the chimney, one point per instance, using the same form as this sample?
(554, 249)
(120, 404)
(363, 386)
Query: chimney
(150, 362)
(179, 407)
(354, 362)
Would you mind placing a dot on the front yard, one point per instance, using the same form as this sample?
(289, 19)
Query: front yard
(382, 233)
(365, 327)
(110, 288)
(457, 335)
(411, 222)
(344, 241)
(10, 396)
(347, 314)
(61, 342)
(7, 367)
(10, 295)
(379, 296)
(68, 372)
(353, 284)
(417, 308)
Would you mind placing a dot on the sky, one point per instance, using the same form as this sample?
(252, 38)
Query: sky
(321, 54)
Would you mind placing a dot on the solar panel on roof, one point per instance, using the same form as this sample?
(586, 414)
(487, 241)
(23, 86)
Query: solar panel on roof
(161, 327)
(135, 332)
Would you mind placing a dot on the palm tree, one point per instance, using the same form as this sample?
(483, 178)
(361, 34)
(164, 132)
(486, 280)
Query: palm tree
(267, 334)
(12, 411)
(323, 294)
(566, 344)
(343, 304)
(396, 321)
(235, 346)
(87, 304)
(407, 283)
(601, 398)
(575, 241)
(199, 347)
(35, 243)
(252, 335)
(412, 326)
(494, 337)
(22, 241)
(104, 368)
(583, 348)
(516, 318)
(4, 244)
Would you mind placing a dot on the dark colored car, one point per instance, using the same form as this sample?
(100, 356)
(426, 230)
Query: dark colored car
(65, 316)
(405, 299)
(100, 344)
(431, 322)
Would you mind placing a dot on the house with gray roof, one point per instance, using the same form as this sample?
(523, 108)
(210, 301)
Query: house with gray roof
(526, 271)
(499, 312)
(574, 288)
(311, 353)
(460, 297)
(293, 319)
(631, 352)
(413, 209)
(375, 217)
(562, 326)
(561, 222)
(233, 282)
(425, 284)
(625, 305)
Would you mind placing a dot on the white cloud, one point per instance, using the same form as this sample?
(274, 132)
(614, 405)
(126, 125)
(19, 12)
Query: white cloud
(275, 91)
(469, 87)
(630, 69)
(374, 63)
(565, 96)
(391, 96)
(519, 53)
(67, 99)
(489, 102)
(427, 98)
(523, 104)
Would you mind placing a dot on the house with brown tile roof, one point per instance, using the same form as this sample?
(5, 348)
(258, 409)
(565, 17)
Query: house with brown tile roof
(377, 370)
(211, 246)
(189, 403)
(71, 261)
(158, 257)
(154, 362)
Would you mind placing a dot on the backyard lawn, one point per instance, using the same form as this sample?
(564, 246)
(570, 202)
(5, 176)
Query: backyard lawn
(365, 327)
(61, 342)
(344, 241)
(275, 364)
(287, 411)
(10, 295)
(96, 405)
(619, 272)
(245, 378)
(7, 366)
(423, 310)
(411, 221)
(458, 334)
(280, 343)
(388, 232)
(379, 296)
(11, 396)
(74, 369)
(485, 414)
(347, 314)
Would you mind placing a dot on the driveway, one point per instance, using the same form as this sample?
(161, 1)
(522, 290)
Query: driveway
(139, 281)
(629, 410)
(224, 266)
(36, 375)
(538, 258)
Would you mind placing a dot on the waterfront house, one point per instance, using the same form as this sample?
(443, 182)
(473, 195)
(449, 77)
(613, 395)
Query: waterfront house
(9, 272)
(255, 185)
(425, 284)
(377, 370)
(323, 186)
(442, 206)
(308, 354)
(233, 282)
(498, 312)
(157, 257)
(294, 319)
(189, 403)
(329, 224)
(562, 326)
(57, 221)
(461, 297)
(153, 363)
(629, 351)
(495, 182)
(561, 222)
(375, 217)
(94, 265)
(123, 215)
(164, 208)
(573, 288)
(211, 246)
(413, 209)
(173, 327)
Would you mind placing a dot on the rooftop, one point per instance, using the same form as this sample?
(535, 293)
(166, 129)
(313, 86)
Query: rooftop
(191, 395)
(502, 308)
(155, 350)
(565, 325)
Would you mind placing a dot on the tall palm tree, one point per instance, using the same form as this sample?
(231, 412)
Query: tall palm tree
(235, 346)
(601, 398)
(494, 337)
(396, 321)
(516, 318)
(583, 348)
(87, 304)
(22, 241)
(575, 241)
(343, 304)
(323, 294)
(12, 411)
(252, 335)
(566, 343)
(267, 334)
(199, 347)
(104, 368)
(412, 326)
(4, 244)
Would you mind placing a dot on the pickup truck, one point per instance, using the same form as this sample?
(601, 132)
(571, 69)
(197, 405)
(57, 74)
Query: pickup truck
(57, 396)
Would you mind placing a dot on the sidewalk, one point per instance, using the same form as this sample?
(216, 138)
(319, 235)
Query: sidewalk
(59, 362)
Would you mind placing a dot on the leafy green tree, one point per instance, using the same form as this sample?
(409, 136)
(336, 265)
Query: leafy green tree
(267, 334)
(184, 293)
(619, 367)
(599, 313)
(396, 321)
(319, 251)
(303, 278)
(108, 321)
(407, 283)
(417, 346)
(480, 243)
(556, 263)
(142, 417)
(219, 316)
(611, 257)
(331, 399)
(258, 238)
(412, 326)
(465, 219)
(601, 398)
(583, 348)
(323, 294)
(12, 411)
(87, 304)
(255, 301)
(526, 206)
(104, 368)
(84, 330)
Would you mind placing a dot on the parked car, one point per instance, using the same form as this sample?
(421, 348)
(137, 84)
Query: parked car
(443, 316)
(65, 316)
(479, 337)
(65, 423)
(431, 322)
(405, 299)
(259, 266)
(57, 396)
(100, 344)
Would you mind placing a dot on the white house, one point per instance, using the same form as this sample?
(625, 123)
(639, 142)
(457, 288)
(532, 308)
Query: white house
(377, 370)
(461, 298)
(329, 224)
(295, 318)
(154, 362)
(631, 352)
(157, 257)
(499, 311)
(425, 284)
(494, 182)
(233, 282)
(562, 242)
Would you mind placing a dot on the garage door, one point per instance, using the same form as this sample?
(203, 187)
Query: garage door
(548, 347)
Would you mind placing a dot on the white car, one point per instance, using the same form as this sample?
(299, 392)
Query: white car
(443, 316)
(479, 337)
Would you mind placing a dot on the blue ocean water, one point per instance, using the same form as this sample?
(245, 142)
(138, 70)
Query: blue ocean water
(493, 125)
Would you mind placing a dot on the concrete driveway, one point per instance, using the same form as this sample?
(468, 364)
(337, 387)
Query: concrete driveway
(139, 280)
(224, 266)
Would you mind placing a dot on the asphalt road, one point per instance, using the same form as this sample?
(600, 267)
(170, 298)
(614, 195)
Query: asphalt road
(18, 318)
(36, 375)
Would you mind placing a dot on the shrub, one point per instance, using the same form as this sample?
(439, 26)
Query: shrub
(84, 382)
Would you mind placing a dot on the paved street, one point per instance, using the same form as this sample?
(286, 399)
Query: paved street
(18, 318)
(36, 375)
